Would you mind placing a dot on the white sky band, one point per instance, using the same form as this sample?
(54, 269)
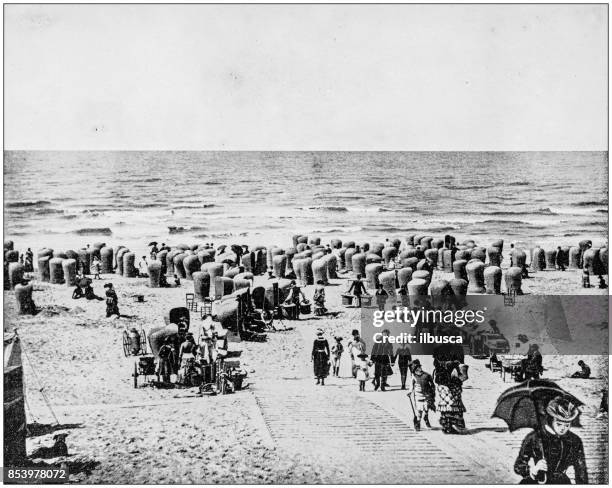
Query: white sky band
(306, 77)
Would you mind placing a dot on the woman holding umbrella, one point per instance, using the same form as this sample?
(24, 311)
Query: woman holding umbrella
(550, 449)
(547, 453)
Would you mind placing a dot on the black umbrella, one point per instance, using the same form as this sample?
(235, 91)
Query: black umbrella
(524, 405)
(152, 243)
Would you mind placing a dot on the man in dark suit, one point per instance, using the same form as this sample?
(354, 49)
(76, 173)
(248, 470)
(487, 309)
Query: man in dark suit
(382, 354)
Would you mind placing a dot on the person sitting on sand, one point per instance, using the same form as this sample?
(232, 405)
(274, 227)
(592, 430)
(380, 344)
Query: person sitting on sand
(177, 281)
(89, 293)
(112, 301)
(585, 371)
(358, 289)
(524, 271)
(77, 293)
(602, 283)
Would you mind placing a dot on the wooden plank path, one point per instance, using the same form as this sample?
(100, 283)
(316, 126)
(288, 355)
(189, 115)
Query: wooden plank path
(351, 438)
(369, 437)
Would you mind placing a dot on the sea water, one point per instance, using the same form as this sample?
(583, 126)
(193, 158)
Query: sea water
(67, 199)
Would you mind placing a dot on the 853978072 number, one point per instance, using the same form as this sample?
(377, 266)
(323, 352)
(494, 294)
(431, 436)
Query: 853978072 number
(16, 475)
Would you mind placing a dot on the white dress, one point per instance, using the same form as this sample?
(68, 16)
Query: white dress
(362, 370)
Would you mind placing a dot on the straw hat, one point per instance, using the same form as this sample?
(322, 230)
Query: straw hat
(319, 332)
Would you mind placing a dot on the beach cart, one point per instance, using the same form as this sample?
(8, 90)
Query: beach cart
(135, 345)
(511, 364)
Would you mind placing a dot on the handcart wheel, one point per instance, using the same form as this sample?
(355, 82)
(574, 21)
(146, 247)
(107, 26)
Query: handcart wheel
(126, 343)
(143, 341)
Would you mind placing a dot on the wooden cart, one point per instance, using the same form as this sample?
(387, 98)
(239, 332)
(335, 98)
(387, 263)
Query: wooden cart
(510, 364)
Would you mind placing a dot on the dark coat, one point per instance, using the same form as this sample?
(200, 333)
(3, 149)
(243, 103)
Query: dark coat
(320, 358)
(560, 453)
(382, 354)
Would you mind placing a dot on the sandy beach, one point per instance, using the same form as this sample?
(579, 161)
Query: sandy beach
(152, 435)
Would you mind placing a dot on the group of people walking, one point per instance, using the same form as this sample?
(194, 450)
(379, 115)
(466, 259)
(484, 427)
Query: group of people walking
(441, 391)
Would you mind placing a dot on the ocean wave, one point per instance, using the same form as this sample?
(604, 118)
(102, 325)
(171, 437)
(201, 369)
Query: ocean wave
(329, 230)
(518, 183)
(36, 203)
(602, 210)
(467, 187)
(540, 211)
(592, 203)
(99, 210)
(501, 221)
(213, 182)
(330, 208)
(184, 207)
(147, 205)
(48, 211)
(151, 180)
(181, 230)
(86, 231)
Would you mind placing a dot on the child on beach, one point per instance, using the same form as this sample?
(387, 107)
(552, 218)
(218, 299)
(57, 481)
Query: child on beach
(96, 269)
(336, 352)
(424, 393)
(363, 370)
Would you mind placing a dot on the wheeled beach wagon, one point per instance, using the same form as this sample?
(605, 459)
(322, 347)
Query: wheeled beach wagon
(135, 345)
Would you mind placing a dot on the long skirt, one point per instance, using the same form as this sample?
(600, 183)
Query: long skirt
(321, 364)
(450, 405)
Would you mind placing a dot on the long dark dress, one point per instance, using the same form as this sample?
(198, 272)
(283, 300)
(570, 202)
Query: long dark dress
(111, 303)
(560, 453)
(320, 357)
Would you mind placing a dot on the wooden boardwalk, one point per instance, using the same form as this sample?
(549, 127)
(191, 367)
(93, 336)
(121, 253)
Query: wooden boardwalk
(369, 438)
